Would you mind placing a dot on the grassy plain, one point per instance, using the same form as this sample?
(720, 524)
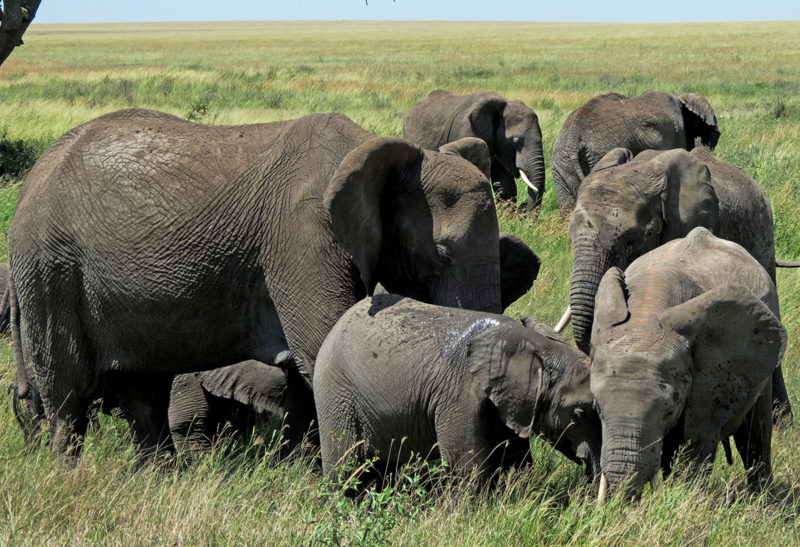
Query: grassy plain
(374, 72)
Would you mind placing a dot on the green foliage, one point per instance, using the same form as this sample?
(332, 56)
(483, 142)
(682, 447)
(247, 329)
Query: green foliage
(18, 155)
(198, 112)
(233, 73)
(370, 517)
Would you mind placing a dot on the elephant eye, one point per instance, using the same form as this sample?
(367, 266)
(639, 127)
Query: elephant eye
(517, 141)
(578, 414)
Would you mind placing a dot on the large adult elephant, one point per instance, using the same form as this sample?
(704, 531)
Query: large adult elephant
(683, 348)
(510, 129)
(144, 245)
(654, 120)
(628, 206)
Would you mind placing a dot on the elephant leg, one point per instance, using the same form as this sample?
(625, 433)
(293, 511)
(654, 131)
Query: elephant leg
(503, 183)
(144, 400)
(781, 407)
(58, 358)
(753, 440)
(565, 184)
(341, 444)
(465, 442)
(68, 426)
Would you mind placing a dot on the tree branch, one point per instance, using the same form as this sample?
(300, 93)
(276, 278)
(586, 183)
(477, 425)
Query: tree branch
(14, 20)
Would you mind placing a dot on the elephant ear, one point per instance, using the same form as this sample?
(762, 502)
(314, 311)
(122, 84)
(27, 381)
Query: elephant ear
(252, 383)
(699, 120)
(610, 301)
(506, 368)
(486, 117)
(472, 149)
(519, 268)
(355, 194)
(615, 157)
(736, 343)
(688, 198)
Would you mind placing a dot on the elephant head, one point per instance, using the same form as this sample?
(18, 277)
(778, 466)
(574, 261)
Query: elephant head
(625, 208)
(511, 129)
(539, 385)
(423, 224)
(665, 376)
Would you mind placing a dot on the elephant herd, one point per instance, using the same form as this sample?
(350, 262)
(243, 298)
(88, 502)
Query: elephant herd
(353, 285)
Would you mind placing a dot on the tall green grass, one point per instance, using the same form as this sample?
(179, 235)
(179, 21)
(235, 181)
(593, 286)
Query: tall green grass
(230, 73)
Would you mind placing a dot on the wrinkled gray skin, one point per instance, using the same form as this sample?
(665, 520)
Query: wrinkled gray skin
(683, 348)
(234, 396)
(5, 301)
(144, 245)
(627, 207)
(469, 387)
(509, 128)
(232, 399)
(654, 120)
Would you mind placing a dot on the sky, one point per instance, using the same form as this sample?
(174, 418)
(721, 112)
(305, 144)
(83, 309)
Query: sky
(100, 11)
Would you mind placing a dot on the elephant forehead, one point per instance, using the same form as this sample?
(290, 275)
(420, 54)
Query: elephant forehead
(446, 174)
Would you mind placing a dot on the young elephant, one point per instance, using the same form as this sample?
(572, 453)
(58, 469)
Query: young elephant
(204, 404)
(509, 128)
(683, 347)
(470, 387)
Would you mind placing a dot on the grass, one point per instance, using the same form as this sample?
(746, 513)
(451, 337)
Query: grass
(374, 72)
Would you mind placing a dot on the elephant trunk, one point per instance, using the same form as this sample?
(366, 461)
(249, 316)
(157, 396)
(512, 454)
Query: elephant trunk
(630, 458)
(586, 276)
(533, 173)
(472, 288)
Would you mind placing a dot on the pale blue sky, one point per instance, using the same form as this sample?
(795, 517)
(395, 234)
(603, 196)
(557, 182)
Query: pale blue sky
(80, 11)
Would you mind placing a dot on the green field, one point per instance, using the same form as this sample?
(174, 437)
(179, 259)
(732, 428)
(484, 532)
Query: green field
(374, 72)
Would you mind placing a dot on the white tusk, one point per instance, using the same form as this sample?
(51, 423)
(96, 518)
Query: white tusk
(527, 181)
(564, 321)
(601, 495)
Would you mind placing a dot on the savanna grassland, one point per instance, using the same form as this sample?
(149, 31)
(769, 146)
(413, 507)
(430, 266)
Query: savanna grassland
(225, 73)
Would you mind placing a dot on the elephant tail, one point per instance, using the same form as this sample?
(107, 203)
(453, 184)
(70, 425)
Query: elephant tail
(787, 264)
(9, 302)
(27, 404)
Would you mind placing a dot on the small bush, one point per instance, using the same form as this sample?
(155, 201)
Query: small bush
(17, 156)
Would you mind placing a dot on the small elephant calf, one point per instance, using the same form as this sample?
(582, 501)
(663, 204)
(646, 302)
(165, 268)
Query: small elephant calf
(232, 398)
(396, 377)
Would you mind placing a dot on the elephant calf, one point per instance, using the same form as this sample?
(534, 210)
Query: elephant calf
(683, 347)
(203, 404)
(404, 378)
